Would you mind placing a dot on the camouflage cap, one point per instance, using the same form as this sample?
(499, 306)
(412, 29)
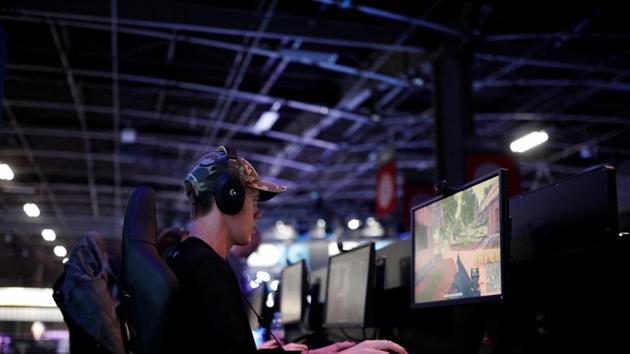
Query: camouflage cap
(202, 175)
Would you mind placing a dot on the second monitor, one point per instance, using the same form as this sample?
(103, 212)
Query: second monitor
(293, 293)
(459, 247)
(348, 290)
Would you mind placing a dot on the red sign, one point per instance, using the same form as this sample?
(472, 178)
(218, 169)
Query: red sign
(386, 190)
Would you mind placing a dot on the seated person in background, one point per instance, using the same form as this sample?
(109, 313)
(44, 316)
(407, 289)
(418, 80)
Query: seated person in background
(169, 238)
(208, 315)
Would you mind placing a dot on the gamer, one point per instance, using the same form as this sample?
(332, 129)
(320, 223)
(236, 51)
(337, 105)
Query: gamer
(223, 190)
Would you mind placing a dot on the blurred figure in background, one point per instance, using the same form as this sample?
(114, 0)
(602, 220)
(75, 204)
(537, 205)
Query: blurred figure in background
(168, 238)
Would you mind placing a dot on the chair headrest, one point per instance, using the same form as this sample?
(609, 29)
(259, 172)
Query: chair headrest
(140, 221)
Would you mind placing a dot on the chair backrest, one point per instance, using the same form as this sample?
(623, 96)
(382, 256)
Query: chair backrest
(148, 285)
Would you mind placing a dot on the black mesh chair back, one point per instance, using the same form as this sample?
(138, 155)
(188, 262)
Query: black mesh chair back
(148, 285)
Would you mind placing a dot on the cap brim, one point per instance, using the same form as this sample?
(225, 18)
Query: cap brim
(267, 190)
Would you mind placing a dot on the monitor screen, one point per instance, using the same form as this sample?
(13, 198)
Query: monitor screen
(293, 292)
(347, 291)
(459, 244)
(257, 300)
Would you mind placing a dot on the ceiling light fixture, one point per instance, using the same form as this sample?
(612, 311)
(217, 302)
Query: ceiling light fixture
(60, 251)
(5, 172)
(31, 210)
(48, 235)
(529, 141)
(266, 121)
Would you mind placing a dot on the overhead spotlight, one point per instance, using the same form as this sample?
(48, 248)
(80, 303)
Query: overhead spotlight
(48, 235)
(31, 210)
(529, 141)
(5, 172)
(586, 152)
(324, 110)
(417, 81)
(37, 329)
(266, 121)
(60, 251)
(128, 136)
(354, 224)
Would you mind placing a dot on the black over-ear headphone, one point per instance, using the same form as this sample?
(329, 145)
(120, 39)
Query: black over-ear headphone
(229, 191)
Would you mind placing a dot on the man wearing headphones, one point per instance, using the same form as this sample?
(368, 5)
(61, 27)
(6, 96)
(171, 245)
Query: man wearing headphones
(208, 317)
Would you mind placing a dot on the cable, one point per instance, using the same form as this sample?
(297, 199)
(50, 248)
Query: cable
(260, 322)
(258, 317)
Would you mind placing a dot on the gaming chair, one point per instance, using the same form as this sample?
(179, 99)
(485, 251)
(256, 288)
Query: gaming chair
(148, 285)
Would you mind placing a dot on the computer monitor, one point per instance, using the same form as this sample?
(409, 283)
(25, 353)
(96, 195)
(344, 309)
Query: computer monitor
(257, 299)
(397, 260)
(293, 287)
(572, 214)
(319, 277)
(459, 245)
(348, 289)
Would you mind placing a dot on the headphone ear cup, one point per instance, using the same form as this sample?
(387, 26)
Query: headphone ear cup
(230, 195)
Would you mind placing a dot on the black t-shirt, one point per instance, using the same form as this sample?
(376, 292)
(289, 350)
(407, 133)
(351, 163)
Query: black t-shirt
(208, 316)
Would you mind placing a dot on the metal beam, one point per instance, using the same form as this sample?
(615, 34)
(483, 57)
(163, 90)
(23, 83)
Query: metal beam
(612, 85)
(191, 86)
(237, 73)
(511, 37)
(116, 112)
(184, 120)
(553, 117)
(107, 157)
(348, 101)
(31, 158)
(511, 66)
(436, 27)
(78, 103)
(224, 31)
(550, 64)
(241, 49)
(244, 117)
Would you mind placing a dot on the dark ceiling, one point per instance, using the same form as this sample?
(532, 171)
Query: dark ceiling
(349, 77)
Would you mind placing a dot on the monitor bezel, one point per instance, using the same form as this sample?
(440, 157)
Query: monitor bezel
(303, 289)
(504, 215)
(368, 292)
